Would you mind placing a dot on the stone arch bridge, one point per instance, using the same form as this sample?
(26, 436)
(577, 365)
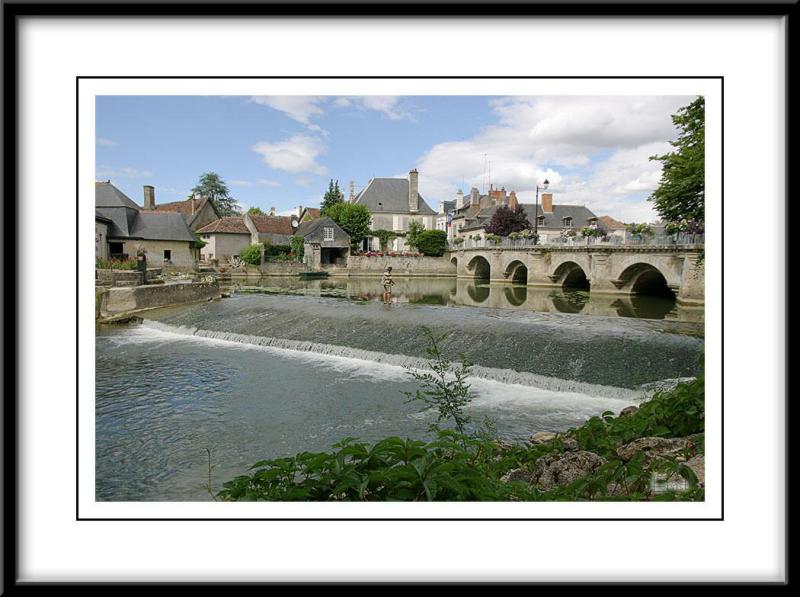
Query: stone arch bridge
(624, 270)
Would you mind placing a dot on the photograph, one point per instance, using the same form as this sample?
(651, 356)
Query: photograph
(481, 297)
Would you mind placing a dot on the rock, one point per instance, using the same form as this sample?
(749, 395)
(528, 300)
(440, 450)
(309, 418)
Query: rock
(517, 474)
(541, 437)
(698, 464)
(503, 445)
(570, 444)
(628, 411)
(553, 470)
(654, 447)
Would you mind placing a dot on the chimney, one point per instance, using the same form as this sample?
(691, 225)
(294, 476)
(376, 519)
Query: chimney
(299, 211)
(512, 200)
(474, 196)
(352, 190)
(194, 201)
(413, 191)
(272, 211)
(149, 197)
(547, 203)
(459, 199)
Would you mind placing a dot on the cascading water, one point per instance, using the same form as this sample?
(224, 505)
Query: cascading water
(260, 376)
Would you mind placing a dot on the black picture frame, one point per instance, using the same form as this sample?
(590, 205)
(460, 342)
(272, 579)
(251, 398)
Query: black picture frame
(13, 12)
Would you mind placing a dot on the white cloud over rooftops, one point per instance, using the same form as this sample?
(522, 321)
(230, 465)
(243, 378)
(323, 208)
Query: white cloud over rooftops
(296, 154)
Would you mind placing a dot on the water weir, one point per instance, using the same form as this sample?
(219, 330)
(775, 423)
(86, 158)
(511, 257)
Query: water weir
(594, 355)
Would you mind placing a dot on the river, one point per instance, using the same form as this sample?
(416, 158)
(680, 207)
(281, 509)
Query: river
(267, 375)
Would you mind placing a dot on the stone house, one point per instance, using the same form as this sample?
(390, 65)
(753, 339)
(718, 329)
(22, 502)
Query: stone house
(102, 225)
(165, 237)
(227, 237)
(552, 219)
(197, 211)
(613, 227)
(307, 213)
(324, 243)
(394, 203)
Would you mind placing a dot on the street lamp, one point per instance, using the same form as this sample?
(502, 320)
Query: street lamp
(545, 184)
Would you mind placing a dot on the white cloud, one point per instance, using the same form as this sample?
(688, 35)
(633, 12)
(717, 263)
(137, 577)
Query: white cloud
(594, 151)
(304, 181)
(240, 183)
(297, 154)
(122, 172)
(301, 108)
(388, 105)
(103, 142)
(265, 182)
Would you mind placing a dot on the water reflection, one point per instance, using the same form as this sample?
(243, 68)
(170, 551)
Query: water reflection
(477, 293)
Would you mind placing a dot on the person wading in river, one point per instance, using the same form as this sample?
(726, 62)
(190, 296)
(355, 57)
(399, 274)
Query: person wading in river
(387, 284)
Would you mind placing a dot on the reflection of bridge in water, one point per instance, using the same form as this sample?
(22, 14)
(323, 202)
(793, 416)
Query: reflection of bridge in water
(476, 293)
(623, 271)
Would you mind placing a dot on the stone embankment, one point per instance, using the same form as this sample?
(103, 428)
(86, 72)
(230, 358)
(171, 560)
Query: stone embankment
(120, 302)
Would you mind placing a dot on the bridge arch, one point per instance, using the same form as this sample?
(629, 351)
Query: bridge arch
(479, 267)
(516, 271)
(570, 275)
(454, 261)
(645, 279)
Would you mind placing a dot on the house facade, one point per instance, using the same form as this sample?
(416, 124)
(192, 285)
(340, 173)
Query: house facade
(165, 237)
(324, 243)
(224, 239)
(277, 230)
(552, 220)
(394, 203)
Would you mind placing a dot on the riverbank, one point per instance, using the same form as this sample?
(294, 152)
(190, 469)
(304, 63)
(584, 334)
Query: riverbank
(651, 452)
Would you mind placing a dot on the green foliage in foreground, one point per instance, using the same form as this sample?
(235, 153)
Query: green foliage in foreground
(457, 467)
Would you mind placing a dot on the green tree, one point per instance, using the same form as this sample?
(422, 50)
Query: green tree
(353, 218)
(256, 211)
(385, 237)
(251, 254)
(333, 196)
(414, 230)
(681, 192)
(298, 247)
(432, 242)
(212, 186)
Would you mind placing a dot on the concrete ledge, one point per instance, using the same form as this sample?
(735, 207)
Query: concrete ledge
(118, 301)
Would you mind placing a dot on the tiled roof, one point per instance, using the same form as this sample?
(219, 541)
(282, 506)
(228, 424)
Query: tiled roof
(185, 208)
(390, 195)
(273, 224)
(312, 212)
(228, 225)
(610, 223)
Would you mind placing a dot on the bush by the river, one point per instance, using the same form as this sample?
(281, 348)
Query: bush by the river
(432, 242)
(251, 254)
(615, 457)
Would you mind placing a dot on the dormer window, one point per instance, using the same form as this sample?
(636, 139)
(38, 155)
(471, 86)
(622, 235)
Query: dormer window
(541, 220)
(567, 222)
(327, 233)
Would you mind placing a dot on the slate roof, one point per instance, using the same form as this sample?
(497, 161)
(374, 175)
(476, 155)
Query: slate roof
(273, 224)
(390, 195)
(580, 216)
(448, 206)
(227, 225)
(107, 195)
(129, 221)
(312, 231)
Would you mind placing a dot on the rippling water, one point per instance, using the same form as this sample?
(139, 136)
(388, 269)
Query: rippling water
(163, 398)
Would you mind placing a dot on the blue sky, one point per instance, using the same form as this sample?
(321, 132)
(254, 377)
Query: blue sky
(280, 151)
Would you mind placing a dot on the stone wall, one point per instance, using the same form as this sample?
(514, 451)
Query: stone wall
(116, 301)
(118, 277)
(359, 265)
(283, 268)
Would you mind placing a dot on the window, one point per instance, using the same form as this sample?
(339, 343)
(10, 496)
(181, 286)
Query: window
(205, 237)
(568, 222)
(167, 255)
(327, 233)
(541, 220)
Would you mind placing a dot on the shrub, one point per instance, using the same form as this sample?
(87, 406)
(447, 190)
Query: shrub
(494, 238)
(128, 264)
(251, 255)
(432, 242)
(384, 237)
(297, 244)
(458, 241)
(640, 229)
(271, 250)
